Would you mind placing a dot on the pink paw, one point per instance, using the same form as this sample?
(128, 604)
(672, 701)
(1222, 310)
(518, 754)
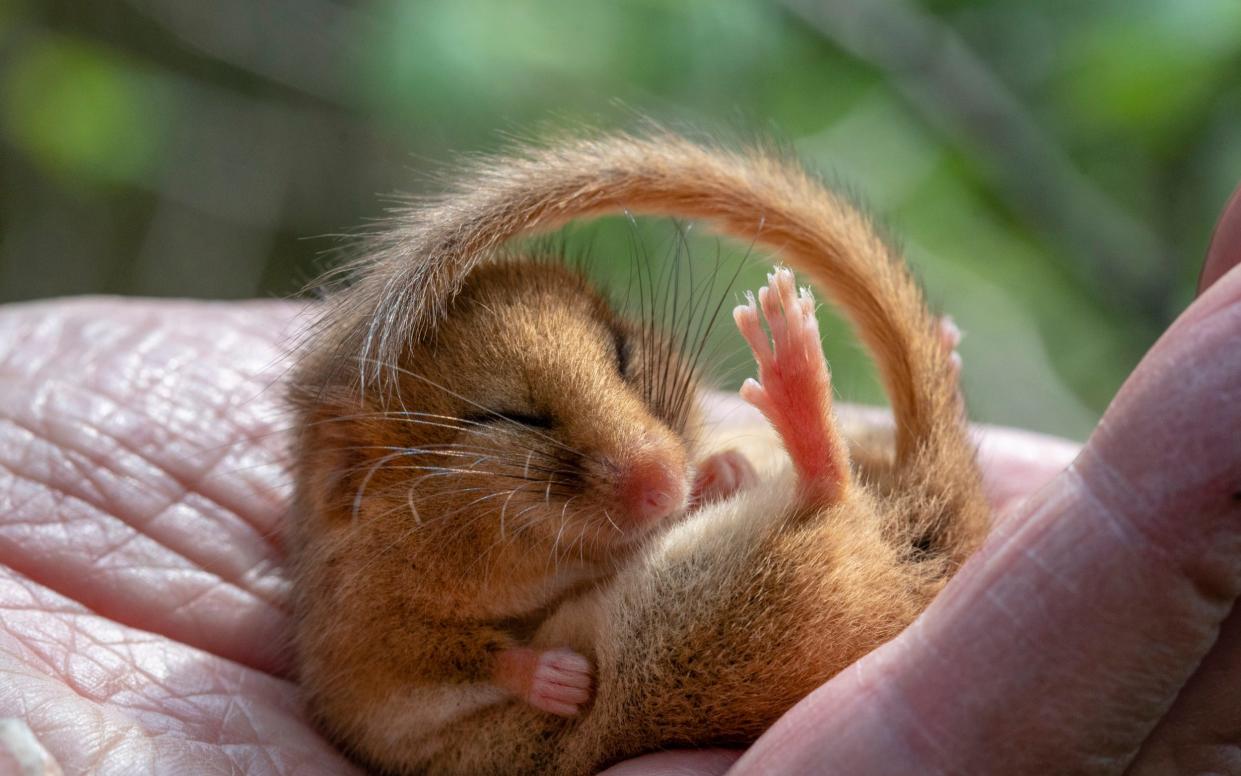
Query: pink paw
(561, 682)
(794, 387)
(949, 339)
(721, 475)
(553, 680)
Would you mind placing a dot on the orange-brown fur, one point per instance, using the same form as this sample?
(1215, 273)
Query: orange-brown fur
(400, 535)
(724, 620)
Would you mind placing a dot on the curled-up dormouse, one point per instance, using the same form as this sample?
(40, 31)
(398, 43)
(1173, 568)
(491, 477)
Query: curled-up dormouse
(515, 552)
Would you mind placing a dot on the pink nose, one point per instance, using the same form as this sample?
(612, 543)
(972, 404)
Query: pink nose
(651, 489)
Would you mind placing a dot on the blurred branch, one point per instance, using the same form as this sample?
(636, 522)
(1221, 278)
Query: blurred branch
(1105, 247)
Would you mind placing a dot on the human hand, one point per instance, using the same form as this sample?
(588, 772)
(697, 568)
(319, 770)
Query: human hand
(143, 599)
(143, 596)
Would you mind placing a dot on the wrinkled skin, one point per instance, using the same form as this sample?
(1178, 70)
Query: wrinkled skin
(143, 603)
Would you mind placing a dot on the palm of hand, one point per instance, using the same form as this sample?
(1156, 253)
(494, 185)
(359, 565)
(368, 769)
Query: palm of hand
(142, 599)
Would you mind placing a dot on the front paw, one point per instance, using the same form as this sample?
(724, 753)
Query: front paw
(561, 683)
(721, 475)
(557, 681)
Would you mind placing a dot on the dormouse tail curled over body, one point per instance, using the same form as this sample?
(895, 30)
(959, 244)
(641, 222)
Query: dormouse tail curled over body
(754, 194)
(735, 613)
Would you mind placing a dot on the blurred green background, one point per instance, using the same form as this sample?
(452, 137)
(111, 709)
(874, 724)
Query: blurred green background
(1053, 169)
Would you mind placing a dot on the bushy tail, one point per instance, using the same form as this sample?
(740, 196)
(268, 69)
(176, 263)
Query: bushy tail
(756, 195)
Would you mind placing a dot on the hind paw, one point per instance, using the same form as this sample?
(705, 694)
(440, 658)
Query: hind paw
(794, 389)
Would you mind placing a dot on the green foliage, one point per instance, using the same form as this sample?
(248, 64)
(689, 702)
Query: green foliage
(143, 139)
(1146, 73)
(80, 110)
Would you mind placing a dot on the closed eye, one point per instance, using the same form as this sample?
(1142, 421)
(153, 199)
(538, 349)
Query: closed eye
(543, 422)
(621, 342)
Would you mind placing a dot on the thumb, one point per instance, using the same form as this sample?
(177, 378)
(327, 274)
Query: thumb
(1058, 647)
(1200, 731)
(1225, 250)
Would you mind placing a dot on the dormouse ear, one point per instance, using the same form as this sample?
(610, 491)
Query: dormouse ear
(328, 460)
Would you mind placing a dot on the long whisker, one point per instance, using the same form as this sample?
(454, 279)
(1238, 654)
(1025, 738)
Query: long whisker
(357, 498)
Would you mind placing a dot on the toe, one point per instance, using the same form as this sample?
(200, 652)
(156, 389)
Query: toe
(949, 333)
(746, 317)
(721, 475)
(770, 304)
(753, 393)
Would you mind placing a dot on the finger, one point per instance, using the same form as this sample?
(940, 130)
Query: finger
(1225, 250)
(1201, 731)
(747, 320)
(1058, 647)
(704, 762)
(1016, 463)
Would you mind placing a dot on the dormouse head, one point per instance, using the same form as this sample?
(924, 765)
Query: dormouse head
(533, 414)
